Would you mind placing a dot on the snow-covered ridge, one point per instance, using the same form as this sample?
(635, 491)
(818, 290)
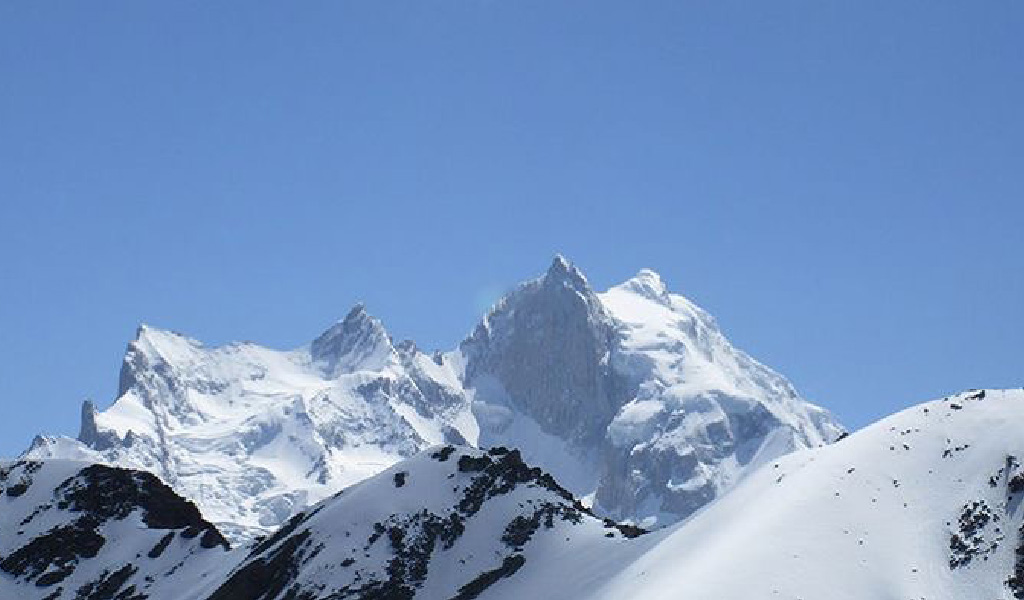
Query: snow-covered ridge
(697, 398)
(632, 398)
(88, 532)
(923, 504)
(254, 435)
(450, 523)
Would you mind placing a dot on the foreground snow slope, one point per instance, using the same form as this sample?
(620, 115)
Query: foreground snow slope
(633, 399)
(923, 504)
(451, 523)
(90, 532)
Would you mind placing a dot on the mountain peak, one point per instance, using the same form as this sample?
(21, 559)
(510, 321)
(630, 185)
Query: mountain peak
(648, 283)
(88, 433)
(358, 313)
(559, 263)
(357, 341)
(147, 331)
(144, 333)
(564, 272)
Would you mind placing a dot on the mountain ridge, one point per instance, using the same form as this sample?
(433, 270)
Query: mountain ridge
(576, 379)
(925, 503)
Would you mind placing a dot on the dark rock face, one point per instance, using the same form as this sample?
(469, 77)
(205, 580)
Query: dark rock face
(112, 493)
(111, 585)
(268, 576)
(500, 471)
(90, 435)
(474, 588)
(1015, 495)
(77, 513)
(18, 478)
(395, 559)
(970, 541)
(982, 526)
(443, 454)
(392, 559)
(161, 546)
(547, 345)
(59, 548)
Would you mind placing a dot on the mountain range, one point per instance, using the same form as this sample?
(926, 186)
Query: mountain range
(632, 398)
(923, 504)
(577, 444)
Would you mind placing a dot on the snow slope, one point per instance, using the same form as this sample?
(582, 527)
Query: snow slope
(254, 435)
(451, 523)
(91, 532)
(923, 504)
(700, 414)
(632, 398)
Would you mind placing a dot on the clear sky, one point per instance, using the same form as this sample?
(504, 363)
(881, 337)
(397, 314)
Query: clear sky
(840, 183)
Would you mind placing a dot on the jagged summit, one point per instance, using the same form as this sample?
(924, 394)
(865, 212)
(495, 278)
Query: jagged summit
(88, 429)
(559, 263)
(633, 398)
(359, 341)
(89, 433)
(542, 352)
(564, 272)
(148, 336)
(648, 284)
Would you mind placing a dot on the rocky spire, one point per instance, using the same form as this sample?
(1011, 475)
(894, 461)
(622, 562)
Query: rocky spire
(90, 434)
(564, 273)
(546, 344)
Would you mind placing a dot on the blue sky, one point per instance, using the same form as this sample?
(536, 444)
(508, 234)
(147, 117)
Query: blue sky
(841, 184)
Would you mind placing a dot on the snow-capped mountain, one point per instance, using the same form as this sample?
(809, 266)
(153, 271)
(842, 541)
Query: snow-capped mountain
(632, 398)
(449, 523)
(254, 435)
(92, 532)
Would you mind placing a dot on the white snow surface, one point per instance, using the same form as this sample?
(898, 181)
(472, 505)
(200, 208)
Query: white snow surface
(871, 516)
(926, 503)
(255, 435)
(30, 511)
(346, 547)
(695, 389)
